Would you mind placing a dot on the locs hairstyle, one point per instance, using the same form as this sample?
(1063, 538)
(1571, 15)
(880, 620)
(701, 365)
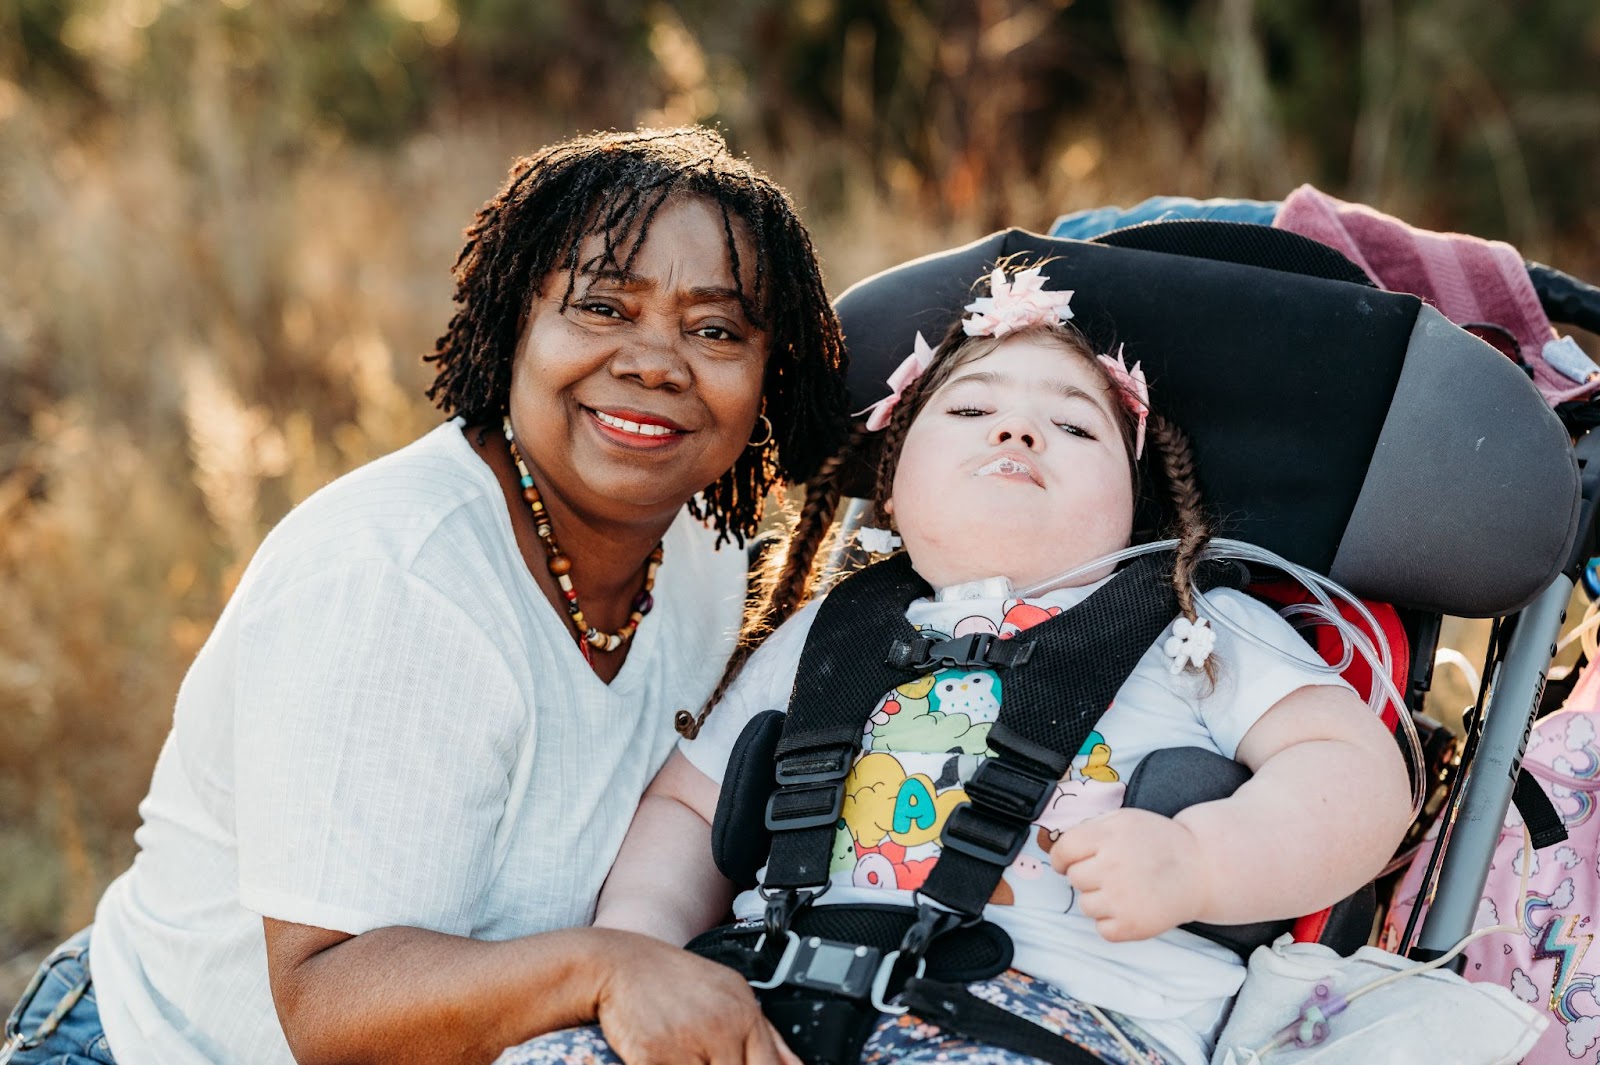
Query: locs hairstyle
(612, 184)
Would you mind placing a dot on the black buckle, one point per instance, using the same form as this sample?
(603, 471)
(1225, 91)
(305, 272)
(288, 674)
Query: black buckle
(1010, 790)
(931, 923)
(977, 833)
(782, 905)
(799, 806)
(828, 965)
(976, 650)
(851, 970)
(810, 790)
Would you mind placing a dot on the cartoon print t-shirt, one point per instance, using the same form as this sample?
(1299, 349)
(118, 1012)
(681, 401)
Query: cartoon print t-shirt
(923, 742)
(924, 739)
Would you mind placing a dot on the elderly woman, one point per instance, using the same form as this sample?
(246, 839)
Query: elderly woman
(402, 764)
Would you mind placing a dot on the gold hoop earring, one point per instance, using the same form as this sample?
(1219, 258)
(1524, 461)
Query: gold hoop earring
(767, 439)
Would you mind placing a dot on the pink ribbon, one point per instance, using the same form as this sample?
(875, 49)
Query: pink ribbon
(1134, 390)
(904, 376)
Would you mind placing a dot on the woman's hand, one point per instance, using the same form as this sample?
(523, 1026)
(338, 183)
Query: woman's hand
(1136, 873)
(665, 1004)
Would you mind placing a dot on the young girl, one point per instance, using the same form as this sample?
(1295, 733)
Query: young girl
(1010, 457)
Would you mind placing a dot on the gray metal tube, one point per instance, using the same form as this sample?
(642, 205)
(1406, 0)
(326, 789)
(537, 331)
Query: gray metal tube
(1486, 792)
(856, 513)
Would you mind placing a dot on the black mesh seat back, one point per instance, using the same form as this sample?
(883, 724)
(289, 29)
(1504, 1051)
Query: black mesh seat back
(1333, 423)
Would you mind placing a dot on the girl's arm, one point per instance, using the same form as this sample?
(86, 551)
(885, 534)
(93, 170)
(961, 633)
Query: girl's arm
(1325, 809)
(664, 883)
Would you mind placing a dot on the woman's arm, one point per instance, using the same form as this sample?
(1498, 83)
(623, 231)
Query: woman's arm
(402, 995)
(664, 883)
(1325, 809)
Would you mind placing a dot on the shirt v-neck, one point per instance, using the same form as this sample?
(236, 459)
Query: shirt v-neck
(645, 639)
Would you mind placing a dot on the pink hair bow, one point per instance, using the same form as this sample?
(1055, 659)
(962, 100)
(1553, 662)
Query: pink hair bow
(903, 377)
(1135, 393)
(1016, 304)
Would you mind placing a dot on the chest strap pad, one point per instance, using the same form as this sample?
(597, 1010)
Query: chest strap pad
(1079, 661)
(1066, 672)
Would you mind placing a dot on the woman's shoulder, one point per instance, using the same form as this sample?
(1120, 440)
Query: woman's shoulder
(390, 510)
(701, 581)
(432, 475)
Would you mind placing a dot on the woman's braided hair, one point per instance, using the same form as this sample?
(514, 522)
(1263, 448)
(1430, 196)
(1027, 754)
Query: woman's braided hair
(611, 185)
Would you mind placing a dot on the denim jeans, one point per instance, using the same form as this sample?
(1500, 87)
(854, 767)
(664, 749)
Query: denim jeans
(1086, 225)
(36, 1036)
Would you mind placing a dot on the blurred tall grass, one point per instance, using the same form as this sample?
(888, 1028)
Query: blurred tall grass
(227, 229)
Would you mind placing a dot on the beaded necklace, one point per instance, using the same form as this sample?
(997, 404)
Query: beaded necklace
(590, 639)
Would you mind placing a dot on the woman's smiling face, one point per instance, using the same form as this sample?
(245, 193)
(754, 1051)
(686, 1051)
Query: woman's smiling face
(1016, 466)
(646, 385)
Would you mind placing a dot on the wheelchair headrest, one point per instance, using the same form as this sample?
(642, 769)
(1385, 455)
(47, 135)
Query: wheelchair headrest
(1351, 430)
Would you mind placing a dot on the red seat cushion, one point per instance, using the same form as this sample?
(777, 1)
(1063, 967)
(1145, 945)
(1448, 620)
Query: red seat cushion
(1330, 645)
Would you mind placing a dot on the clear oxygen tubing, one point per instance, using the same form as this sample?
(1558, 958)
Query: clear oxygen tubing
(1323, 611)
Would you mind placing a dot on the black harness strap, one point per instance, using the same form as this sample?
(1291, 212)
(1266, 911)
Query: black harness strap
(955, 1009)
(1071, 667)
(1545, 825)
(834, 690)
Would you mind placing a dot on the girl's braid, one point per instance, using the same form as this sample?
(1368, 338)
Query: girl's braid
(782, 587)
(1193, 532)
(894, 435)
(1190, 525)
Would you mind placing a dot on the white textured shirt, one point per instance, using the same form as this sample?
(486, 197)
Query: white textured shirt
(389, 725)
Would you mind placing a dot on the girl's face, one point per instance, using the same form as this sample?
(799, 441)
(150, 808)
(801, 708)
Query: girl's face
(1015, 467)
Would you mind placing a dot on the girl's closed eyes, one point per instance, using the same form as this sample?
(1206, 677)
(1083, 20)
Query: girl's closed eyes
(982, 392)
(967, 410)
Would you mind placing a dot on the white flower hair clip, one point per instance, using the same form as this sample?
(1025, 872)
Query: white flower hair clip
(1191, 643)
(877, 541)
(1016, 304)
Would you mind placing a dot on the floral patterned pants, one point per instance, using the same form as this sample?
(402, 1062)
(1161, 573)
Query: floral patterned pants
(907, 1039)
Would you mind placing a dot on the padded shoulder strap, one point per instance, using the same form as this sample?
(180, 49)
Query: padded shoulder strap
(1080, 659)
(845, 662)
(844, 668)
